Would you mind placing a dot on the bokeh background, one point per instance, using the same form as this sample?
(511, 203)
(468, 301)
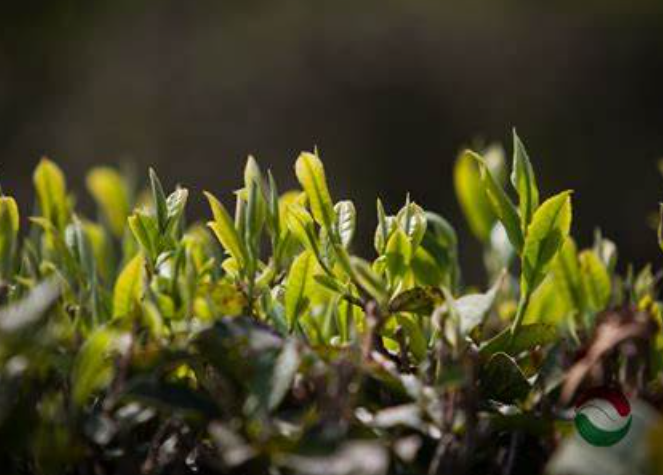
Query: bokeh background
(389, 90)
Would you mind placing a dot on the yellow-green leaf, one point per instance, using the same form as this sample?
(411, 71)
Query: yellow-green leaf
(9, 223)
(398, 253)
(311, 175)
(545, 235)
(299, 281)
(128, 287)
(52, 193)
(595, 281)
(225, 231)
(93, 368)
(111, 193)
(472, 196)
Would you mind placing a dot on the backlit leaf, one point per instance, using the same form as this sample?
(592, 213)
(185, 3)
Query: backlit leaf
(545, 236)
(311, 175)
(128, 287)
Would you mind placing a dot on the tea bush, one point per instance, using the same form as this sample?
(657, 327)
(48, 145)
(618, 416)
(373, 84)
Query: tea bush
(261, 344)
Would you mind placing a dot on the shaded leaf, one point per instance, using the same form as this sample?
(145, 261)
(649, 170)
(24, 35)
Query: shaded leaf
(502, 380)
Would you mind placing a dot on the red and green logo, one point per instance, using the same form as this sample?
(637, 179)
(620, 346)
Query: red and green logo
(603, 416)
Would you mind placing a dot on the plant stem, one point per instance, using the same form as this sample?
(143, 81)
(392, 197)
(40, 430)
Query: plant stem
(520, 314)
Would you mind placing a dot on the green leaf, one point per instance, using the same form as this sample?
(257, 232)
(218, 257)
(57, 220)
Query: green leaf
(369, 281)
(146, 232)
(128, 287)
(225, 231)
(524, 182)
(398, 253)
(299, 281)
(426, 268)
(300, 223)
(501, 204)
(9, 225)
(386, 225)
(159, 198)
(111, 193)
(52, 193)
(527, 338)
(566, 271)
(502, 380)
(421, 300)
(284, 373)
(595, 281)
(472, 309)
(412, 221)
(472, 196)
(311, 175)
(256, 206)
(93, 368)
(545, 236)
(416, 341)
(175, 204)
(346, 221)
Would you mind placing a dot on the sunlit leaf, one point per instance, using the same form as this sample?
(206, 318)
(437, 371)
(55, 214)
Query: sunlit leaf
(52, 193)
(545, 236)
(524, 182)
(299, 278)
(311, 175)
(110, 191)
(128, 287)
(472, 196)
(224, 229)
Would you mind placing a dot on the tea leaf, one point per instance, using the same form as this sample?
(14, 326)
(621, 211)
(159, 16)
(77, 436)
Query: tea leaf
(524, 182)
(412, 221)
(346, 221)
(52, 193)
(128, 287)
(422, 300)
(284, 373)
(595, 281)
(159, 198)
(111, 193)
(386, 225)
(545, 236)
(472, 196)
(92, 368)
(9, 224)
(225, 231)
(299, 278)
(398, 253)
(501, 204)
(472, 309)
(502, 380)
(527, 338)
(368, 280)
(311, 175)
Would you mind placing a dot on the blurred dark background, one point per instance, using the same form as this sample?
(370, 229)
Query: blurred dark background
(388, 90)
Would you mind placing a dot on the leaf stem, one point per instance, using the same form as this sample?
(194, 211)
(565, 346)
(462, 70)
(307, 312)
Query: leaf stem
(523, 303)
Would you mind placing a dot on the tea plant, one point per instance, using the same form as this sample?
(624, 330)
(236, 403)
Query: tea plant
(261, 343)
